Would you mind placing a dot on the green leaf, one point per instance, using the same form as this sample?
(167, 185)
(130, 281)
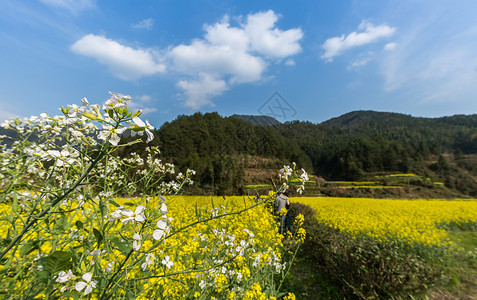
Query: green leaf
(42, 275)
(15, 204)
(61, 223)
(29, 247)
(122, 245)
(58, 261)
(6, 267)
(98, 235)
(130, 295)
(74, 295)
(10, 217)
(113, 203)
(129, 204)
(79, 224)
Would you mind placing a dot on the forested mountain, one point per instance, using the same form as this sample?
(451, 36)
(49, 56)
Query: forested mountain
(222, 150)
(225, 150)
(447, 133)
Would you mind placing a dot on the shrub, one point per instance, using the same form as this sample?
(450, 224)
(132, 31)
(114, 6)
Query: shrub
(363, 268)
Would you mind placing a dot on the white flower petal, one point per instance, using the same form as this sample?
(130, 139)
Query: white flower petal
(161, 224)
(164, 208)
(158, 234)
(139, 209)
(138, 122)
(87, 276)
(88, 290)
(103, 135)
(150, 136)
(136, 245)
(115, 138)
(120, 130)
(127, 212)
(127, 220)
(80, 285)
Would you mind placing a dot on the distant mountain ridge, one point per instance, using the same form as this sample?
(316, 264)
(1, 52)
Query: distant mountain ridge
(258, 120)
(368, 118)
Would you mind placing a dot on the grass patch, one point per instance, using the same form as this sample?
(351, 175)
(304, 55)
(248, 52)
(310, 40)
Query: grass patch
(368, 187)
(465, 239)
(335, 265)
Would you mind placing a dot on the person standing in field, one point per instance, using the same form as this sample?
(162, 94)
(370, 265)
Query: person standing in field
(280, 209)
(288, 215)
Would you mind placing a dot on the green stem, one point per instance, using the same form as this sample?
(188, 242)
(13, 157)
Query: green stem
(289, 268)
(103, 295)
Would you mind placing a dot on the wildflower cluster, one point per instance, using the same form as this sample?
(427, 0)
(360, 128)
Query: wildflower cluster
(288, 174)
(77, 221)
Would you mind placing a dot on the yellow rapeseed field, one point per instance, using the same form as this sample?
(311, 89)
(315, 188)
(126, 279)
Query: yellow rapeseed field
(223, 257)
(391, 220)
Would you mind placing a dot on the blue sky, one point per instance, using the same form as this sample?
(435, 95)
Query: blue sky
(324, 58)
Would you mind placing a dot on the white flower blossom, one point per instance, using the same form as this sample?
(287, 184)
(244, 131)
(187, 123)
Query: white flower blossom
(64, 276)
(149, 261)
(162, 227)
(109, 267)
(95, 253)
(116, 101)
(286, 171)
(137, 242)
(141, 128)
(88, 285)
(115, 215)
(167, 262)
(251, 235)
(112, 133)
(164, 208)
(84, 101)
(137, 215)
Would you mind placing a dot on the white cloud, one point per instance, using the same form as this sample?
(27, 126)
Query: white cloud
(337, 45)
(125, 62)
(144, 24)
(73, 6)
(138, 103)
(148, 110)
(198, 92)
(359, 63)
(217, 60)
(290, 62)
(226, 55)
(390, 46)
(271, 41)
(230, 55)
(144, 98)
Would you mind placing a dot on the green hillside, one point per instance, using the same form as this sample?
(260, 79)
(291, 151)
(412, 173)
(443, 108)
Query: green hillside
(230, 153)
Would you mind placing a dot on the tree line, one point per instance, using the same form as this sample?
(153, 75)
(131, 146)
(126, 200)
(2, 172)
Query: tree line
(343, 148)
